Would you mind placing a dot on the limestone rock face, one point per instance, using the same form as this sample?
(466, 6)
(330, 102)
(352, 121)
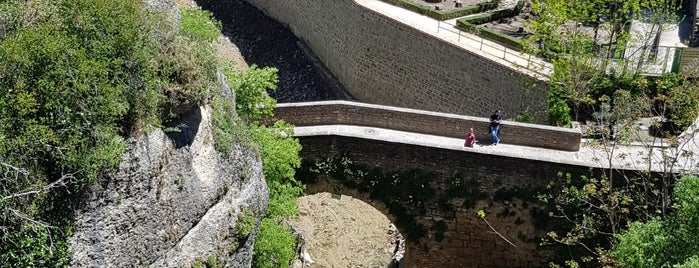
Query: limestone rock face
(173, 202)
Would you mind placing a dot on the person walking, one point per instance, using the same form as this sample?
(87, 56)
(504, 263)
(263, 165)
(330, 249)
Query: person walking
(495, 127)
(470, 139)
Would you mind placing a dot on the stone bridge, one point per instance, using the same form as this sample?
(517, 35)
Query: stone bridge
(411, 164)
(416, 170)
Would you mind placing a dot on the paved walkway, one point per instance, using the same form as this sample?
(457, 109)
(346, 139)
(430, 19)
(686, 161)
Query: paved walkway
(445, 30)
(623, 157)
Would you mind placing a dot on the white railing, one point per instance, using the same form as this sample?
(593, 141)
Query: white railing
(639, 58)
(513, 56)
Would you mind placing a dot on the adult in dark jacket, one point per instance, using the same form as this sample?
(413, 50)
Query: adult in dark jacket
(495, 127)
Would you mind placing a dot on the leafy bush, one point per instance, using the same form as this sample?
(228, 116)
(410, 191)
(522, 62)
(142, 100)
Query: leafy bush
(683, 103)
(500, 38)
(653, 240)
(199, 24)
(252, 100)
(559, 112)
(76, 77)
(279, 151)
(272, 245)
(34, 246)
(280, 156)
(666, 242)
(187, 65)
(275, 244)
(524, 117)
(478, 18)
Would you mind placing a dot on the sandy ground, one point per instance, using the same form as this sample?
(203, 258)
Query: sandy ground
(342, 231)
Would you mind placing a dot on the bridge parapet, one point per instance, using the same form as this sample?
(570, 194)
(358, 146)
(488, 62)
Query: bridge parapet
(425, 122)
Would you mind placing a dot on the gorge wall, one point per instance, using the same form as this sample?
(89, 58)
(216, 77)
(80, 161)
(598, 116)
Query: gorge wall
(382, 61)
(173, 202)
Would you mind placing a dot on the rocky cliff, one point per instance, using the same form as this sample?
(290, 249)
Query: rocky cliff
(174, 201)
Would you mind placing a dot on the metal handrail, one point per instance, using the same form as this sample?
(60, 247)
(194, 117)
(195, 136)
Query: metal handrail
(654, 67)
(538, 67)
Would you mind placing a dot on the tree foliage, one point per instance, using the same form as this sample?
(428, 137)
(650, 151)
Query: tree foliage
(279, 151)
(76, 78)
(252, 100)
(583, 39)
(669, 242)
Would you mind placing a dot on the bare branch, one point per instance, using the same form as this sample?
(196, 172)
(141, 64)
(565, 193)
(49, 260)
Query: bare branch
(496, 232)
(62, 182)
(28, 218)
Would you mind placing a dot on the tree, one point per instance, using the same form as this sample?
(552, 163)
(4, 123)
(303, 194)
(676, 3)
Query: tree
(279, 151)
(581, 38)
(76, 78)
(664, 242)
(596, 208)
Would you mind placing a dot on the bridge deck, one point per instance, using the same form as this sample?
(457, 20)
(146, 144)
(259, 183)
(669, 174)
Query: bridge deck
(629, 157)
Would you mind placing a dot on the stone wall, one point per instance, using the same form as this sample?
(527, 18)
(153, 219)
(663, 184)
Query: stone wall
(693, 9)
(467, 240)
(433, 123)
(382, 61)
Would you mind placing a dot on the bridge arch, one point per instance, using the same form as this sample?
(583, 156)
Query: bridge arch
(441, 225)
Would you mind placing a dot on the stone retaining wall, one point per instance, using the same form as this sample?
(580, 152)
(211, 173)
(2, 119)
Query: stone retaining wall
(433, 123)
(382, 61)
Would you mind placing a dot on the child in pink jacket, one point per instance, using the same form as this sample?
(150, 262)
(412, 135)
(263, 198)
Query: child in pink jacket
(470, 139)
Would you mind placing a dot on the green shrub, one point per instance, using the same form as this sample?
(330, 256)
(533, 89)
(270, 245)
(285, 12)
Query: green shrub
(653, 239)
(279, 151)
(280, 156)
(479, 18)
(187, 66)
(199, 24)
(524, 117)
(500, 38)
(559, 112)
(76, 77)
(272, 247)
(683, 103)
(252, 100)
(668, 242)
(34, 246)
